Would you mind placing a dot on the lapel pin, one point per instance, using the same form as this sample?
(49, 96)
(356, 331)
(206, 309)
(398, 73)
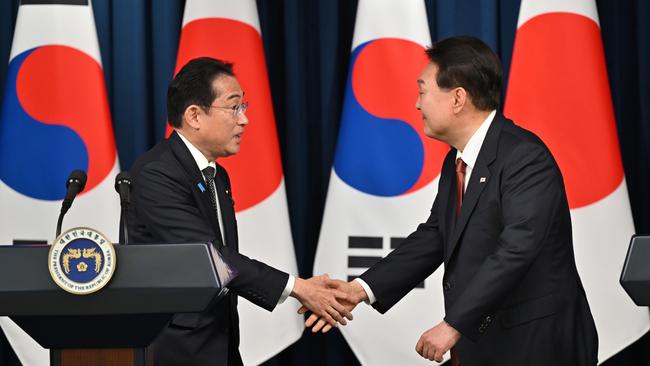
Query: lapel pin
(483, 179)
(201, 187)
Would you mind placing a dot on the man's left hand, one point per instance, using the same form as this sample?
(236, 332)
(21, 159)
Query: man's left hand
(435, 342)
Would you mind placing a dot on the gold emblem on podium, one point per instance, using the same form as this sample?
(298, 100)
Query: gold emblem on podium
(82, 260)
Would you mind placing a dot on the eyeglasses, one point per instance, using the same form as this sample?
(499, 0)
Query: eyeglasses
(237, 110)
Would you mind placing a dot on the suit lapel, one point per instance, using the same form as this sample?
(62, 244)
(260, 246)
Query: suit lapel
(196, 179)
(472, 194)
(447, 202)
(477, 182)
(226, 204)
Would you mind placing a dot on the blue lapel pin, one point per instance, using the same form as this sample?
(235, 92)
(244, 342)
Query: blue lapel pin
(201, 187)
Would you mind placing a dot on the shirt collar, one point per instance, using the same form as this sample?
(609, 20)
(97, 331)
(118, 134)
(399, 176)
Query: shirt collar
(473, 146)
(201, 161)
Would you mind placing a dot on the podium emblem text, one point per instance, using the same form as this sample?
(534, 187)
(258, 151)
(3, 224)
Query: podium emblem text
(81, 260)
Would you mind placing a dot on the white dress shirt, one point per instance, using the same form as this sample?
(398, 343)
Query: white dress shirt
(202, 162)
(473, 146)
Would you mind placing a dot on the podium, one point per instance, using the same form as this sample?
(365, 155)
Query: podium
(635, 277)
(115, 325)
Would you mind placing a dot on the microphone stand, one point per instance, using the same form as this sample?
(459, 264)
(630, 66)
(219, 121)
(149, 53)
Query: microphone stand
(74, 185)
(123, 185)
(59, 223)
(124, 232)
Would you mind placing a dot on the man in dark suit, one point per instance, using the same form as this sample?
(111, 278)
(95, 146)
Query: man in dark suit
(182, 195)
(500, 224)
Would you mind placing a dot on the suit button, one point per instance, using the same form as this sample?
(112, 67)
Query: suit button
(446, 286)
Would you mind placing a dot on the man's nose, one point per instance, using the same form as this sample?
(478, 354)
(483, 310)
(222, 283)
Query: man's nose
(243, 119)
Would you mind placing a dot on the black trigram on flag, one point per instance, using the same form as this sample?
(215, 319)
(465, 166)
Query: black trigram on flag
(373, 249)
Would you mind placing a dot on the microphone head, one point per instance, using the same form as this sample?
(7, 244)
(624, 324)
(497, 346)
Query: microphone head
(77, 177)
(123, 179)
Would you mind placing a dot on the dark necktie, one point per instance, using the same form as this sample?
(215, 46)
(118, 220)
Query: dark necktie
(208, 174)
(460, 184)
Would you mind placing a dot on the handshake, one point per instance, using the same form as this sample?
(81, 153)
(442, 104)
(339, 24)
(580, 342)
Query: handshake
(330, 301)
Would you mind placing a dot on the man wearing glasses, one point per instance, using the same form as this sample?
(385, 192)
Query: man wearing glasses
(182, 195)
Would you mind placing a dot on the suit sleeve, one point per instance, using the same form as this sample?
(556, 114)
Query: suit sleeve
(414, 260)
(164, 204)
(531, 193)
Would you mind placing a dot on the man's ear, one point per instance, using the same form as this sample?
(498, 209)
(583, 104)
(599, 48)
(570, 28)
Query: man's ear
(460, 99)
(191, 116)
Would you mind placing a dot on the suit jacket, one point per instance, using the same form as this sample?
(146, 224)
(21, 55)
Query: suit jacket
(510, 285)
(168, 207)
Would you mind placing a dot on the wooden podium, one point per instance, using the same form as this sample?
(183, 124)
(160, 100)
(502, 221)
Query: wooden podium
(115, 325)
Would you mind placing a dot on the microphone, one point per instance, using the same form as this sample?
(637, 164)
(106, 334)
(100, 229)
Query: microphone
(76, 183)
(123, 186)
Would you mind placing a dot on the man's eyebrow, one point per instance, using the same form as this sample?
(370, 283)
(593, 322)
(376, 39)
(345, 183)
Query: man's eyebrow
(235, 96)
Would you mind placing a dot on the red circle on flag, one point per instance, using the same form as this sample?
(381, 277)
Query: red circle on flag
(558, 88)
(256, 171)
(61, 85)
(385, 84)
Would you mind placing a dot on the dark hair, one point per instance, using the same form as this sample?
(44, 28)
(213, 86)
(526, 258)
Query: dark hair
(469, 63)
(193, 85)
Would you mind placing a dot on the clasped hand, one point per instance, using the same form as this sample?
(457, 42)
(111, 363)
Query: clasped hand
(324, 299)
(348, 295)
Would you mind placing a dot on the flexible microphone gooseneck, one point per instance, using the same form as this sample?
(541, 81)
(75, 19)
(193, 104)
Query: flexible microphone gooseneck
(76, 183)
(123, 186)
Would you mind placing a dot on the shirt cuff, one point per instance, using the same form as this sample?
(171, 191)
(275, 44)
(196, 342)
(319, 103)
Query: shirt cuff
(371, 297)
(287, 289)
